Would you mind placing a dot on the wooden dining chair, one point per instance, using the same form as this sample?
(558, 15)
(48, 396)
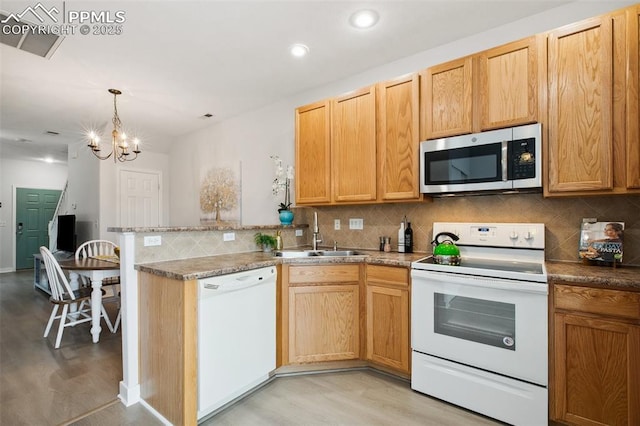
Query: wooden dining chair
(63, 295)
(102, 248)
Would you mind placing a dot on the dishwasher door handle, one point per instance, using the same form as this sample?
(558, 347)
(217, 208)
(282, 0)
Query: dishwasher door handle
(236, 285)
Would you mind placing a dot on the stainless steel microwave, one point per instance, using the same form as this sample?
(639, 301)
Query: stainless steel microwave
(501, 160)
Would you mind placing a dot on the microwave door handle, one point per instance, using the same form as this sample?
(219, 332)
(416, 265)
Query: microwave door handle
(505, 163)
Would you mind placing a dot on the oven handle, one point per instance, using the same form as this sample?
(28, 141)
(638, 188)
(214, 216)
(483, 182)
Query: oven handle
(426, 277)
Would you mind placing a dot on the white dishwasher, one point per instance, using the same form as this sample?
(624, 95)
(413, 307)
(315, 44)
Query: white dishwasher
(236, 335)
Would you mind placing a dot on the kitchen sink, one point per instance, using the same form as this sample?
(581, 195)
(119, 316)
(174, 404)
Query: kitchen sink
(316, 253)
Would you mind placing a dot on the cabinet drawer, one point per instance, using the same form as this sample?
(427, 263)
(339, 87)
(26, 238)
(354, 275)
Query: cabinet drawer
(388, 276)
(616, 303)
(319, 274)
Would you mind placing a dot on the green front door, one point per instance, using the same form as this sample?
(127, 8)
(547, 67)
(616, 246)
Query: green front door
(34, 210)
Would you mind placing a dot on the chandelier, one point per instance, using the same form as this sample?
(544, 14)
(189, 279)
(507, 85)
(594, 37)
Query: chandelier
(120, 148)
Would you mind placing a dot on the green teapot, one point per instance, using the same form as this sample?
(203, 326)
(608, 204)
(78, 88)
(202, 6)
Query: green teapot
(446, 252)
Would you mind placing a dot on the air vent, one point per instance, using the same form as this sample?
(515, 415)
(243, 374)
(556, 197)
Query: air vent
(51, 133)
(31, 41)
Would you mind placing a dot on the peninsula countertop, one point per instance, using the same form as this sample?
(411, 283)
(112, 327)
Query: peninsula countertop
(623, 277)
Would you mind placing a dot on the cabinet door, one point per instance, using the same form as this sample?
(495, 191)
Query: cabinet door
(313, 153)
(387, 315)
(580, 106)
(597, 366)
(398, 139)
(447, 97)
(353, 146)
(324, 323)
(508, 84)
(633, 98)
(388, 326)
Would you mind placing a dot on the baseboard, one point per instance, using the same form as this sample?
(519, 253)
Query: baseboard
(5, 270)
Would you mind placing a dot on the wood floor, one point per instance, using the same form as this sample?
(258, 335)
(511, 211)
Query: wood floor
(78, 383)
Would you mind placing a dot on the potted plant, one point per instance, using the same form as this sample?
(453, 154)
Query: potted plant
(282, 183)
(266, 241)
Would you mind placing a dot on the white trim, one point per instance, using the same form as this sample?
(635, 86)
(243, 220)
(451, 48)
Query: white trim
(155, 413)
(130, 384)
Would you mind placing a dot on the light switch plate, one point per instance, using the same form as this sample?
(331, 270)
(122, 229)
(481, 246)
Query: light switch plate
(356, 223)
(336, 224)
(298, 232)
(154, 240)
(229, 236)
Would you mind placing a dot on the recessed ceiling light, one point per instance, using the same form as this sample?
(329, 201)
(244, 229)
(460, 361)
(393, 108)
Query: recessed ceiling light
(299, 50)
(364, 19)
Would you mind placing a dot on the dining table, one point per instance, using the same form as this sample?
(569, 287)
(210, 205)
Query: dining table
(95, 269)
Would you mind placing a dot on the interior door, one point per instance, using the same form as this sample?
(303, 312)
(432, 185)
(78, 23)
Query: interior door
(34, 209)
(139, 198)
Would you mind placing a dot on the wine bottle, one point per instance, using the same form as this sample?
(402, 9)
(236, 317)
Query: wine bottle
(408, 239)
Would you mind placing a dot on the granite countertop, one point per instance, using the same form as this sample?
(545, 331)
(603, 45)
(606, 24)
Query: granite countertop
(624, 277)
(210, 266)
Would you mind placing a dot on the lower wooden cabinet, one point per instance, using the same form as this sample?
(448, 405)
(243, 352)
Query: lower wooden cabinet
(387, 310)
(596, 356)
(331, 312)
(322, 313)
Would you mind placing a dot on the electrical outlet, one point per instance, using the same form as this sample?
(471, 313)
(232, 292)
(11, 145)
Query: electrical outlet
(229, 236)
(155, 240)
(336, 224)
(298, 232)
(356, 223)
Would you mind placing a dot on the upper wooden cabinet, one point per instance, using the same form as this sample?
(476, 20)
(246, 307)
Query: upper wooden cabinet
(508, 83)
(580, 78)
(353, 146)
(633, 99)
(489, 90)
(313, 153)
(447, 98)
(398, 139)
(361, 147)
(592, 146)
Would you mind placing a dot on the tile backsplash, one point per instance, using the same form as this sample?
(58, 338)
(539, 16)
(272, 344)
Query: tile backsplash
(562, 218)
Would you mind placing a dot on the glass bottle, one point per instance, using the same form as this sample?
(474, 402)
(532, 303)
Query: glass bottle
(408, 239)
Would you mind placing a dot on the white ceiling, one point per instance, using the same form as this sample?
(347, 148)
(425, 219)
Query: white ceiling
(178, 60)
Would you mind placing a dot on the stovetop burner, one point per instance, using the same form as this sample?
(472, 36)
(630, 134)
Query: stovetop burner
(500, 250)
(496, 265)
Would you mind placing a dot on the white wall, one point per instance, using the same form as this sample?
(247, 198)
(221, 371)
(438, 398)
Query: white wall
(83, 198)
(254, 136)
(22, 174)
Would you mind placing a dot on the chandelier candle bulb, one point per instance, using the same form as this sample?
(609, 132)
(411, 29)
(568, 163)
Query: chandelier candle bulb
(119, 144)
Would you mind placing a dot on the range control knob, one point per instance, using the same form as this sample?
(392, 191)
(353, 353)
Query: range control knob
(529, 235)
(513, 235)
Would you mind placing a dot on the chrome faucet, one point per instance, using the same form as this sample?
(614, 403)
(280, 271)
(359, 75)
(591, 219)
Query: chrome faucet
(316, 232)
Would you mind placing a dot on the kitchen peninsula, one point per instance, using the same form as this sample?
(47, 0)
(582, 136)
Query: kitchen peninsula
(184, 272)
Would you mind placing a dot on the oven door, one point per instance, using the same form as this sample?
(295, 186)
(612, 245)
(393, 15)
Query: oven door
(494, 324)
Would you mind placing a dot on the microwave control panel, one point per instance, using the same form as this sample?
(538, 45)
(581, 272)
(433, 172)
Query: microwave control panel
(522, 159)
